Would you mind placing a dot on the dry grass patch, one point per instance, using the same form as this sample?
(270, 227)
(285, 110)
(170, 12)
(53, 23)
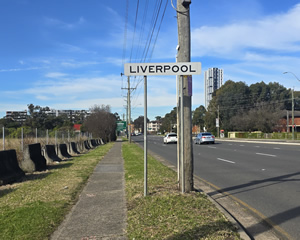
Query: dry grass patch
(166, 213)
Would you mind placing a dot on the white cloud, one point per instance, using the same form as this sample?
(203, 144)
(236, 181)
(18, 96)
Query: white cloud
(55, 75)
(77, 64)
(78, 87)
(277, 32)
(20, 69)
(64, 25)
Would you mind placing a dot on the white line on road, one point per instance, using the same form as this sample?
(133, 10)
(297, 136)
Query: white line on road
(220, 159)
(212, 147)
(276, 148)
(269, 155)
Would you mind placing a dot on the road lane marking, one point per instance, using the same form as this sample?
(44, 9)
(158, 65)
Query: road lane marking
(276, 148)
(264, 154)
(224, 160)
(212, 147)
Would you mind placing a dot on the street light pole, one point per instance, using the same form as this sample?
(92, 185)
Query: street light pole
(293, 74)
(293, 116)
(293, 107)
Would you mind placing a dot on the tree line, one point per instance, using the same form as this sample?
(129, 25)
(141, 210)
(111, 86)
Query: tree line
(101, 123)
(258, 107)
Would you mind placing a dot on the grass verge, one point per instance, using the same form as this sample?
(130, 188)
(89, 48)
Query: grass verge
(34, 208)
(166, 213)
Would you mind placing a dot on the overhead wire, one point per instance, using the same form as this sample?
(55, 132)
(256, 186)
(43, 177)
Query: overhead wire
(154, 19)
(158, 30)
(157, 34)
(149, 42)
(125, 39)
(136, 16)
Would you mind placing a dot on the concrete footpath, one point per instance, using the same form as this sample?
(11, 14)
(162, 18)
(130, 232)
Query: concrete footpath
(100, 212)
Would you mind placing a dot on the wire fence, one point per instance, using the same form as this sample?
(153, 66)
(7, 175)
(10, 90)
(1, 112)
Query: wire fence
(22, 136)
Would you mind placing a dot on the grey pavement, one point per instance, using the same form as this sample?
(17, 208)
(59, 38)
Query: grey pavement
(100, 212)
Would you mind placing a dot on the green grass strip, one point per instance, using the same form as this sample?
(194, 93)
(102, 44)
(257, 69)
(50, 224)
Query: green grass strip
(34, 208)
(166, 213)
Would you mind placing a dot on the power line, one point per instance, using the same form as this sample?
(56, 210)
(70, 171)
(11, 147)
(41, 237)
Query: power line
(136, 15)
(125, 38)
(158, 30)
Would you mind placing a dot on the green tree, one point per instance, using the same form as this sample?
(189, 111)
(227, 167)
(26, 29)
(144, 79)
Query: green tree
(169, 122)
(139, 123)
(243, 108)
(101, 123)
(158, 118)
(198, 116)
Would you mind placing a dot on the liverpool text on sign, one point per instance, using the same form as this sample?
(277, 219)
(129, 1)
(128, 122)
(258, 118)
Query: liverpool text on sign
(145, 69)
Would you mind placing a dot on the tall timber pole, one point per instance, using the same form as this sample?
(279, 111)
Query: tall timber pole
(184, 55)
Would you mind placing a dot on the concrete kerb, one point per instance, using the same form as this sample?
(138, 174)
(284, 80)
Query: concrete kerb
(72, 148)
(50, 154)
(62, 151)
(33, 160)
(9, 167)
(81, 148)
(86, 145)
(265, 141)
(250, 225)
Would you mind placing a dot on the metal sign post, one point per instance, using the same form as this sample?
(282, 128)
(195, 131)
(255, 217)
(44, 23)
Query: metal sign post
(145, 138)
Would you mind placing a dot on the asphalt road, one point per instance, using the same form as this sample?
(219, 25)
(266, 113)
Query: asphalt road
(265, 177)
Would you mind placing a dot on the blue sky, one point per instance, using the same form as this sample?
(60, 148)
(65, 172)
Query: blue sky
(68, 54)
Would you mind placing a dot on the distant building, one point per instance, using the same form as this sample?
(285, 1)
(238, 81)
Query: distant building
(153, 126)
(73, 115)
(17, 116)
(77, 127)
(286, 125)
(213, 80)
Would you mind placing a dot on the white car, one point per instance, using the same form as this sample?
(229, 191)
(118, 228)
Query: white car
(170, 138)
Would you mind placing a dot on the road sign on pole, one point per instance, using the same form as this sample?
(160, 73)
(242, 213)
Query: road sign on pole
(146, 69)
(217, 122)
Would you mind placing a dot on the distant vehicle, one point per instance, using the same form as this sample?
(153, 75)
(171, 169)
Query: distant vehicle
(205, 137)
(170, 138)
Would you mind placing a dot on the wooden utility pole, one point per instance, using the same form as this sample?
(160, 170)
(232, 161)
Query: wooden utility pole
(184, 55)
(128, 109)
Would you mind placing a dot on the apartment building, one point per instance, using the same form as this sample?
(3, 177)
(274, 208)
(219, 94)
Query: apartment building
(213, 80)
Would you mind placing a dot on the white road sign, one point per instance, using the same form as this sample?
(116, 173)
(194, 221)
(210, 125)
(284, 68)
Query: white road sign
(146, 69)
